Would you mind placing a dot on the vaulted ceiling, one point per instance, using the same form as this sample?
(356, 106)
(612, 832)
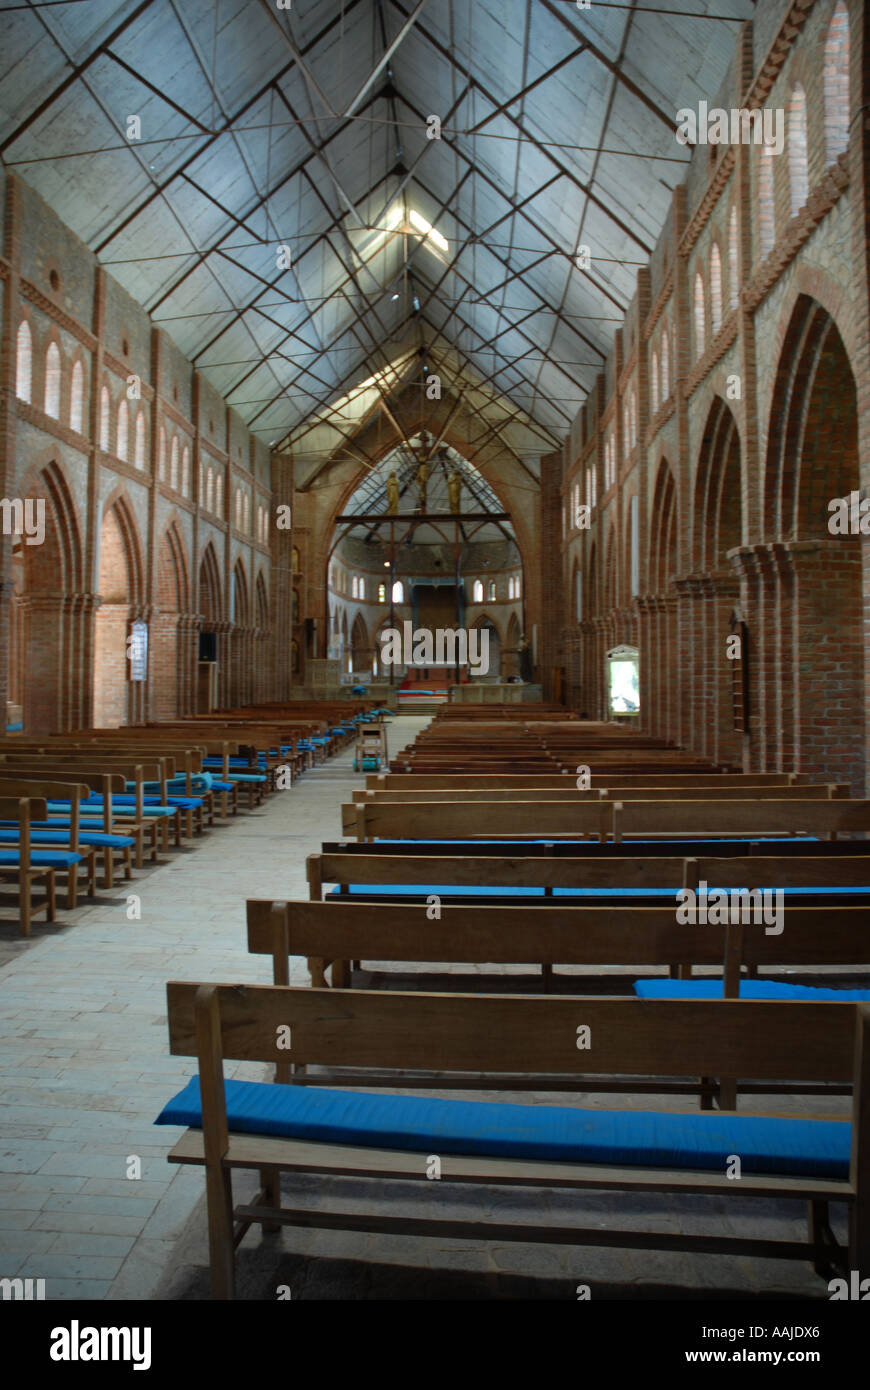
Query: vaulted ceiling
(285, 216)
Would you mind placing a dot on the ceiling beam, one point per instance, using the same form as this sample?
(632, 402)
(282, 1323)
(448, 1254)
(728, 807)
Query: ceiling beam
(385, 57)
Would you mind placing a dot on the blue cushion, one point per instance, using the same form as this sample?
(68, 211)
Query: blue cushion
(699, 1140)
(749, 989)
(14, 728)
(43, 858)
(48, 836)
(419, 889)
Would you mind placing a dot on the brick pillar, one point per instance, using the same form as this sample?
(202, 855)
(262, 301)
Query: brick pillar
(829, 652)
(552, 585)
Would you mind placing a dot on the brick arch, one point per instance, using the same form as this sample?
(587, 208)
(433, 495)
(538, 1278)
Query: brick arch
(242, 613)
(56, 566)
(663, 554)
(812, 440)
(118, 503)
(718, 494)
(120, 588)
(209, 589)
(172, 646)
(172, 574)
(591, 583)
(47, 627)
(261, 601)
(611, 586)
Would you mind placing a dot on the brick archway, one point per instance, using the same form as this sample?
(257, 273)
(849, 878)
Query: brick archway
(51, 615)
(115, 700)
(802, 587)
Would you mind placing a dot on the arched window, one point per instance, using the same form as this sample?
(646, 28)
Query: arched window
(237, 509)
(77, 397)
(354, 587)
(477, 591)
(185, 470)
(52, 381)
(766, 222)
(715, 289)
(362, 588)
(836, 84)
(733, 261)
(491, 590)
(626, 428)
(161, 458)
(219, 495)
(246, 513)
(799, 185)
(666, 367)
(173, 463)
(104, 419)
(655, 382)
(517, 587)
(209, 492)
(123, 429)
(398, 592)
(633, 418)
(139, 458)
(294, 560)
(382, 593)
(699, 314)
(23, 362)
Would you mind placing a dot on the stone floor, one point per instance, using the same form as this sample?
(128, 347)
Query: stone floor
(85, 1068)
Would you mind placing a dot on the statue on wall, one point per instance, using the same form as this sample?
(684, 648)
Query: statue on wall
(392, 495)
(454, 492)
(524, 652)
(422, 480)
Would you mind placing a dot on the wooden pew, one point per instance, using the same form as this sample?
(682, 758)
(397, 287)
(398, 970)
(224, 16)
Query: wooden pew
(816, 792)
(386, 781)
(46, 791)
(558, 935)
(496, 1038)
(603, 819)
(24, 873)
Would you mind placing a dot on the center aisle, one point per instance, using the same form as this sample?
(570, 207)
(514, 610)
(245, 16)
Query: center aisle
(78, 1101)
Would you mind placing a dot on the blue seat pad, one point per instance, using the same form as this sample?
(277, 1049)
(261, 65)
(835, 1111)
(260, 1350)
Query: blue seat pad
(749, 989)
(43, 858)
(700, 1140)
(124, 805)
(44, 835)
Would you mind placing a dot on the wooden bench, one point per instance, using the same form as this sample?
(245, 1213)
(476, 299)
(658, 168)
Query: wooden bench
(557, 935)
(67, 836)
(603, 819)
(22, 870)
(816, 792)
(495, 1038)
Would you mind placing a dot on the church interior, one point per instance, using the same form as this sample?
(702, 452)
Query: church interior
(433, 791)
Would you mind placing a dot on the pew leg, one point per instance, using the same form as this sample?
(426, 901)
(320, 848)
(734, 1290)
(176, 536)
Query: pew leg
(822, 1240)
(859, 1231)
(270, 1181)
(72, 887)
(340, 975)
(219, 1198)
(727, 1093)
(317, 970)
(25, 885)
(706, 1100)
(52, 897)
